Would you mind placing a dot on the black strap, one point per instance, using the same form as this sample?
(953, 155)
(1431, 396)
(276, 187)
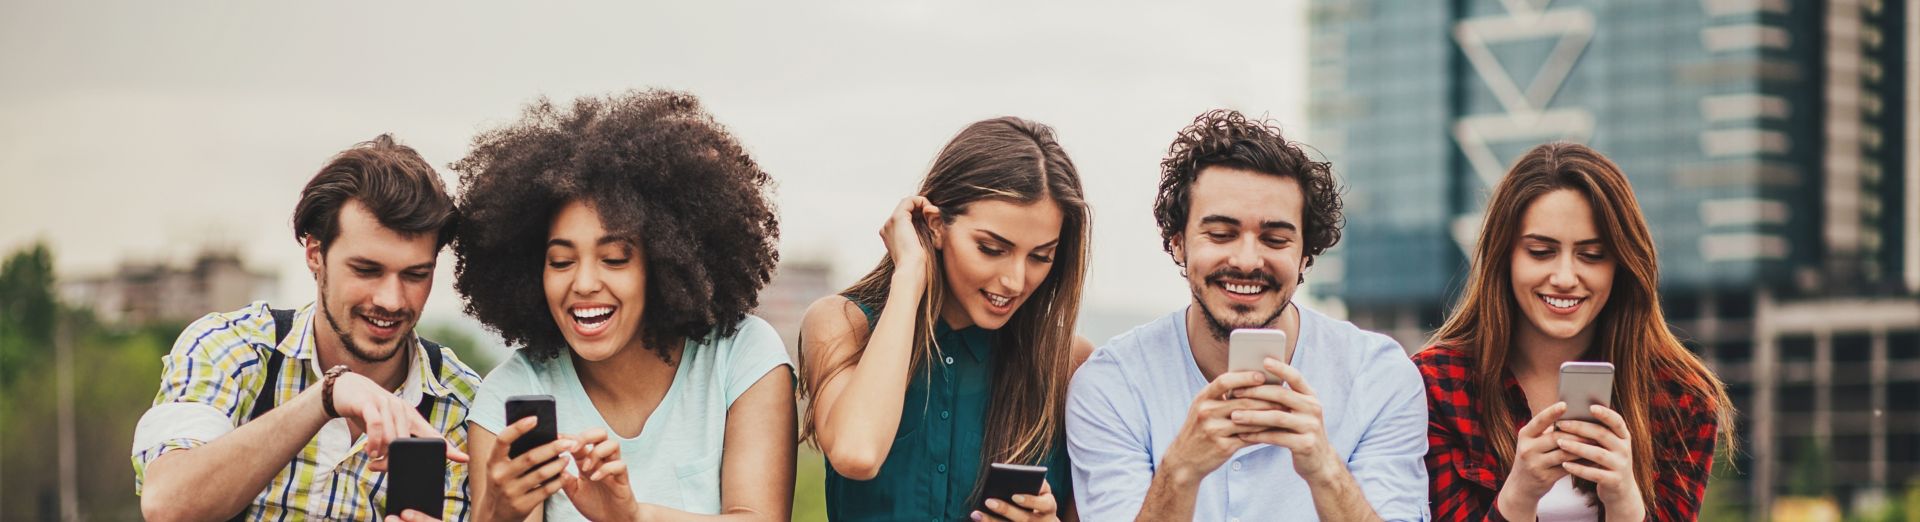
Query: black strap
(282, 326)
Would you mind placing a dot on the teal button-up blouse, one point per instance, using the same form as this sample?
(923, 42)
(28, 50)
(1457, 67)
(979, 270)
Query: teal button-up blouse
(930, 471)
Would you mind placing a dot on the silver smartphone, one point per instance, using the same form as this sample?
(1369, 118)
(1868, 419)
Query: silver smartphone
(1584, 384)
(1248, 348)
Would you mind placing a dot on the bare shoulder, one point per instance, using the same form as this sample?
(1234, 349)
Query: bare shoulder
(1082, 349)
(833, 323)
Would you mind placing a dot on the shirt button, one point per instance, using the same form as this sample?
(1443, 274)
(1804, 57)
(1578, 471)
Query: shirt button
(1236, 467)
(949, 359)
(942, 468)
(1235, 519)
(944, 414)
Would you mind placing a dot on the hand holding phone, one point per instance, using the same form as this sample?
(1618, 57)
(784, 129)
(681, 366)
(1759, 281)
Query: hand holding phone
(1583, 385)
(1249, 348)
(417, 476)
(1006, 480)
(544, 431)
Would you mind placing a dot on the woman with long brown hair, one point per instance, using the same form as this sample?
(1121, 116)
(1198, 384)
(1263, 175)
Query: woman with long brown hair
(954, 352)
(1565, 270)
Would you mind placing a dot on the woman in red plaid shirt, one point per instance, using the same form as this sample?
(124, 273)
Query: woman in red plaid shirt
(1565, 270)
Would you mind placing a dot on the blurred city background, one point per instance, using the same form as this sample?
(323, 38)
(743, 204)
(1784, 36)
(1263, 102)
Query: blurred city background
(151, 155)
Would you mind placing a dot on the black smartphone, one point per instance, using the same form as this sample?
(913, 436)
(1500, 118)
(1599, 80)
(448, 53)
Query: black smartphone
(417, 476)
(1006, 480)
(546, 429)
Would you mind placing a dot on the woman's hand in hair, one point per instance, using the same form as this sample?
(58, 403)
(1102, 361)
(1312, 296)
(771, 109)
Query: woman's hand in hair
(1605, 457)
(902, 234)
(1537, 464)
(1024, 508)
(602, 492)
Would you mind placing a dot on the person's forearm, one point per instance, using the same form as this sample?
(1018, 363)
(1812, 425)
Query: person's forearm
(866, 413)
(219, 478)
(1337, 496)
(1170, 496)
(659, 513)
(1634, 511)
(1512, 507)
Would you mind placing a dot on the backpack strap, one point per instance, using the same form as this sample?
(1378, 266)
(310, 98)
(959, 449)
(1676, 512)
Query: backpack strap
(433, 363)
(282, 326)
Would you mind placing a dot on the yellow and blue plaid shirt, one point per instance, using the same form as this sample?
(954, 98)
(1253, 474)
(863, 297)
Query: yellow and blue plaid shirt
(213, 376)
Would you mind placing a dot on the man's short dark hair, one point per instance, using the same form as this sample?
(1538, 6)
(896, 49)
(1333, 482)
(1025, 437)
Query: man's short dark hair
(1228, 139)
(391, 180)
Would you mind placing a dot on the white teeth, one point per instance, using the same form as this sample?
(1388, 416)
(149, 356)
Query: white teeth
(382, 324)
(998, 300)
(590, 313)
(1560, 303)
(1243, 289)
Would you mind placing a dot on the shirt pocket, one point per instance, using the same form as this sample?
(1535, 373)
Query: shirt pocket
(699, 482)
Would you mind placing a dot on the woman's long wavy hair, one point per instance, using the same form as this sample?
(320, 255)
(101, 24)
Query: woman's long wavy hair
(1631, 332)
(1020, 161)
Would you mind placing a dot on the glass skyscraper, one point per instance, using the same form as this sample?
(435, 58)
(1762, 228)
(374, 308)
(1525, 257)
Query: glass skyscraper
(1771, 144)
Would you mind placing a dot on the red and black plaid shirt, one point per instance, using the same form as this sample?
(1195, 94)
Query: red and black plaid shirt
(1465, 474)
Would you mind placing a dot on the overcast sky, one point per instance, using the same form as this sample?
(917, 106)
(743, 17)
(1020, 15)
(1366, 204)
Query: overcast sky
(147, 129)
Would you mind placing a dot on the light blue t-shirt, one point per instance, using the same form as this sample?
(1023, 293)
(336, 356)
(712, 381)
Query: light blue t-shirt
(675, 461)
(1129, 400)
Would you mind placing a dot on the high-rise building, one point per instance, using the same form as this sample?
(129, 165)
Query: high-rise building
(1771, 144)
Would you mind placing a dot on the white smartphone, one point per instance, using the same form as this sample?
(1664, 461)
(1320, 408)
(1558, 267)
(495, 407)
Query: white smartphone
(1584, 384)
(1248, 348)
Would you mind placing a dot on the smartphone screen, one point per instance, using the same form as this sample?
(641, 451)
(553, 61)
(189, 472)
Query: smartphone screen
(1006, 480)
(1248, 349)
(417, 476)
(1584, 384)
(546, 429)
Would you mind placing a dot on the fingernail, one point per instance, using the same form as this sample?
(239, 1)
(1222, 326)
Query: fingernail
(995, 504)
(976, 516)
(1019, 499)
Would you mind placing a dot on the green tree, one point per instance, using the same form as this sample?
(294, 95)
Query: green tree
(1812, 470)
(1723, 500)
(115, 373)
(27, 308)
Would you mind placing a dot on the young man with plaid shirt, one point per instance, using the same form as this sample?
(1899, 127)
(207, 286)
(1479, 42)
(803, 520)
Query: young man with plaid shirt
(269, 414)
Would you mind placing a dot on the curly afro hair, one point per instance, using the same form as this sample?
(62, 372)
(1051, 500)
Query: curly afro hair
(657, 169)
(1227, 138)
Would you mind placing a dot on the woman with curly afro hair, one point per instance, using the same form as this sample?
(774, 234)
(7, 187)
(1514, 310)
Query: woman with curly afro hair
(954, 353)
(619, 245)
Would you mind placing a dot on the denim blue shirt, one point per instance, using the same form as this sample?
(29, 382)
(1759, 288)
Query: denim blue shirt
(1129, 400)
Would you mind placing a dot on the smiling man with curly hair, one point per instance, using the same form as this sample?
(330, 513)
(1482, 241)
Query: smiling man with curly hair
(618, 244)
(1159, 426)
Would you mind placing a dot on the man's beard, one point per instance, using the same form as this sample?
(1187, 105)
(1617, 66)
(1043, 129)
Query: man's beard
(346, 337)
(1220, 330)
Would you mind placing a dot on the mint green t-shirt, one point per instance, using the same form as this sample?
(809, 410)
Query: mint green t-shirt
(675, 461)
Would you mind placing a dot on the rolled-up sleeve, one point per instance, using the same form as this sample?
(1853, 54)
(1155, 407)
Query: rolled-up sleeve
(1112, 462)
(1389, 462)
(208, 375)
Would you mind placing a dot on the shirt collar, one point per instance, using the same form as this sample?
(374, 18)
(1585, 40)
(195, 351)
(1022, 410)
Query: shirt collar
(974, 340)
(303, 346)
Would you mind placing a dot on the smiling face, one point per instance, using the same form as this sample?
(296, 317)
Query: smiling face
(1242, 247)
(595, 283)
(1562, 274)
(373, 282)
(996, 254)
